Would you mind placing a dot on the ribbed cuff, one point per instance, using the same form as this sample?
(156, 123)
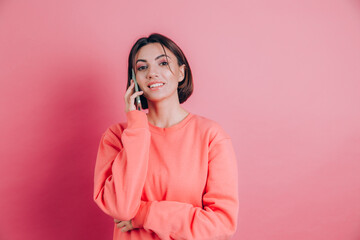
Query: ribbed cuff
(137, 119)
(139, 219)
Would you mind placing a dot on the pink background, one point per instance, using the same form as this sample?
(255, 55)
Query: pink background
(282, 77)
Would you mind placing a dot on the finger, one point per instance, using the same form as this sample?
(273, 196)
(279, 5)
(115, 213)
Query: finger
(126, 228)
(116, 220)
(121, 224)
(132, 97)
(130, 89)
(132, 100)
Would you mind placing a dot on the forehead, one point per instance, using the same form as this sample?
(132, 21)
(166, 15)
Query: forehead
(151, 51)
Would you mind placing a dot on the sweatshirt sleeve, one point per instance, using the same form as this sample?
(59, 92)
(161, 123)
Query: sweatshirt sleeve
(121, 167)
(217, 219)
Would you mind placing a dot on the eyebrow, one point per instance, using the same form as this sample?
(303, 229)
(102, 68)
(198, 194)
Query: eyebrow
(162, 55)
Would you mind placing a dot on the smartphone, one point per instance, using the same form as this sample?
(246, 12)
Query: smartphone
(137, 100)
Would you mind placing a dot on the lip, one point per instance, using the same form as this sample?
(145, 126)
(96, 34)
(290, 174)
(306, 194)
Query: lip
(155, 88)
(154, 82)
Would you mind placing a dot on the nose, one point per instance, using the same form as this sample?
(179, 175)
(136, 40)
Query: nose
(152, 73)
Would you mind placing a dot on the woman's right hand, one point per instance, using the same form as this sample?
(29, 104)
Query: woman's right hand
(130, 97)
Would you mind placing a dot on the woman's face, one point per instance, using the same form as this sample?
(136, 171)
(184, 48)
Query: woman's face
(153, 74)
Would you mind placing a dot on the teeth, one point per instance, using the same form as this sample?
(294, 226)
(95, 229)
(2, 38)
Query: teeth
(156, 85)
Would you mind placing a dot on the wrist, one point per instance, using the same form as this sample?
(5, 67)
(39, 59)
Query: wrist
(137, 119)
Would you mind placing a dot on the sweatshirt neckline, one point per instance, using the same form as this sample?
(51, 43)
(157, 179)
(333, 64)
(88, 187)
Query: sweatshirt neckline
(175, 127)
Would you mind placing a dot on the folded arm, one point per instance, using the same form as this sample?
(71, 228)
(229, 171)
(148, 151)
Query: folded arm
(217, 219)
(121, 167)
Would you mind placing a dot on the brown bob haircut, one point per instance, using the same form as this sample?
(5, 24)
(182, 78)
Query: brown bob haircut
(185, 87)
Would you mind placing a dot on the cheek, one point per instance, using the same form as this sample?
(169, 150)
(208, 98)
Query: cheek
(171, 76)
(141, 81)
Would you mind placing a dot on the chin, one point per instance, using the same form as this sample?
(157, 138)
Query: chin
(157, 99)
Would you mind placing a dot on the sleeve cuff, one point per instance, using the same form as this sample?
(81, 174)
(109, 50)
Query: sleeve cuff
(139, 219)
(137, 119)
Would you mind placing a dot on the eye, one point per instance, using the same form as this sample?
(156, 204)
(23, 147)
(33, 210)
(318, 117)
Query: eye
(164, 63)
(141, 68)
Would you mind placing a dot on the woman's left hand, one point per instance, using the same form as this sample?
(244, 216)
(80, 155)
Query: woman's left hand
(125, 225)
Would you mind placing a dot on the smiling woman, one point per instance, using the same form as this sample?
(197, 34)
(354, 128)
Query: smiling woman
(158, 72)
(170, 55)
(167, 174)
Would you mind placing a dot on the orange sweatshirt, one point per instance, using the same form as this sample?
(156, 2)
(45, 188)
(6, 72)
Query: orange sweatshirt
(174, 183)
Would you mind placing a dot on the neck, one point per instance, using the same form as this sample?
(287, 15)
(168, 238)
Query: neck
(165, 113)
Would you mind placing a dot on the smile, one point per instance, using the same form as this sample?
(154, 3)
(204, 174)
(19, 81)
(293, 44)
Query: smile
(156, 86)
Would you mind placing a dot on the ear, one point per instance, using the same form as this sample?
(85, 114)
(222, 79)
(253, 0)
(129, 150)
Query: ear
(181, 72)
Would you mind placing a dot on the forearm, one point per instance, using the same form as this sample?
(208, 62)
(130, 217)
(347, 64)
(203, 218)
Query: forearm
(176, 220)
(120, 169)
(217, 219)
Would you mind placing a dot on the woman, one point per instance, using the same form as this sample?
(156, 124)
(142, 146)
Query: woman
(167, 174)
